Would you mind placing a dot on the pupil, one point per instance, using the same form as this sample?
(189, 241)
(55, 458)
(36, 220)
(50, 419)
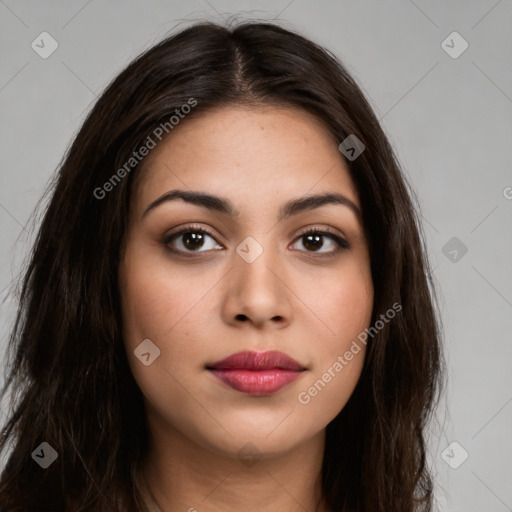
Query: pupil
(317, 241)
(193, 238)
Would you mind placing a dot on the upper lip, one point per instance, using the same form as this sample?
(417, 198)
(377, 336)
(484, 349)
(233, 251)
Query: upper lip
(249, 360)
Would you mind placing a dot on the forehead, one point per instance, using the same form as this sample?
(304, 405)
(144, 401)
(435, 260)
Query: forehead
(250, 154)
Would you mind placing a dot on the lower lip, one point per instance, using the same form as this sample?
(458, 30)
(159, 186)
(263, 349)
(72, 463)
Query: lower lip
(256, 383)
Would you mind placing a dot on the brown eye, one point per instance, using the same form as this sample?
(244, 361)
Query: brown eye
(314, 241)
(191, 239)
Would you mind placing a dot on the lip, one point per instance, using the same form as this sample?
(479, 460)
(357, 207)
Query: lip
(257, 373)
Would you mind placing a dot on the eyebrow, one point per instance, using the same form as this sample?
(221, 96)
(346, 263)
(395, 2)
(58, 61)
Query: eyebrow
(225, 206)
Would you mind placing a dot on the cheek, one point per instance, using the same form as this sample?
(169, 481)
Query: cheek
(161, 303)
(157, 298)
(351, 306)
(328, 390)
(346, 308)
(341, 304)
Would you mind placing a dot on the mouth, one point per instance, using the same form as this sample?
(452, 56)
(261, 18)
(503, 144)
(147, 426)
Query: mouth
(257, 373)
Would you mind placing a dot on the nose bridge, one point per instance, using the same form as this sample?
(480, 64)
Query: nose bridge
(257, 281)
(257, 262)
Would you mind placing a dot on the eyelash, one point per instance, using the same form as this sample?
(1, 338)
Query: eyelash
(340, 242)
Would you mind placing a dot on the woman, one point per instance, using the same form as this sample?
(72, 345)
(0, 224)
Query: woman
(229, 303)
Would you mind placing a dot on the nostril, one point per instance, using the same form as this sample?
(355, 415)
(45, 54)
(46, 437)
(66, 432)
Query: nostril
(241, 317)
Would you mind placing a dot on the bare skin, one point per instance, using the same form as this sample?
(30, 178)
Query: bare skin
(204, 302)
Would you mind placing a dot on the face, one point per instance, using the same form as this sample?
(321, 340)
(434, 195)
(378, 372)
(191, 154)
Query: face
(202, 280)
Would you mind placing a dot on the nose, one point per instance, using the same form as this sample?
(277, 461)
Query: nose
(258, 292)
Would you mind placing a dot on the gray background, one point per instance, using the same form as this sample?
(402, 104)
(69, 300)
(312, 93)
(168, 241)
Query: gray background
(448, 118)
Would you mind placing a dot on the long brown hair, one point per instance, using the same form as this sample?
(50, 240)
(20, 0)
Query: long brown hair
(68, 373)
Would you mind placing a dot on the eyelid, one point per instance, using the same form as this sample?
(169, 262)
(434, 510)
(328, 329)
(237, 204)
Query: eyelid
(191, 227)
(321, 229)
